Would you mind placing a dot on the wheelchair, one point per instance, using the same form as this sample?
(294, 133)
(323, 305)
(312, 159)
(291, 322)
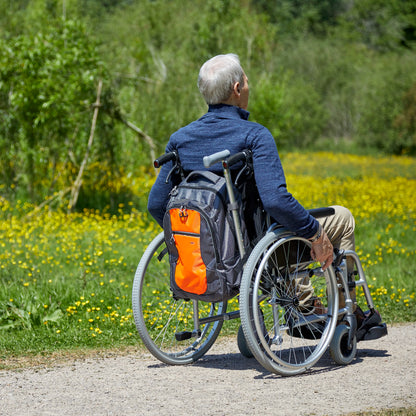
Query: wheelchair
(286, 328)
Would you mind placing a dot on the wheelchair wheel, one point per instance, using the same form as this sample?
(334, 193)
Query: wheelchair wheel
(341, 353)
(288, 305)
(242, 344)
(167, 326)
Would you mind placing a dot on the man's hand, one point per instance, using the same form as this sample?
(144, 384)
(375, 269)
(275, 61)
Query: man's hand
(322, 251)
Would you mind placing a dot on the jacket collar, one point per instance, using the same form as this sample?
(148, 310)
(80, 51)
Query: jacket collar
(228, 111)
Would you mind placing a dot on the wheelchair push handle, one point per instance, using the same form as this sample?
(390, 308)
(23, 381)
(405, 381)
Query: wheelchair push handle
(166, 158)
(244, 155)
(216, 157)
(176, 168)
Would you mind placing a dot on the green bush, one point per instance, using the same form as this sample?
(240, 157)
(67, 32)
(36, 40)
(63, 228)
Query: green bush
(48, 85)
(381, 102)
(291, 110)
(315, 76)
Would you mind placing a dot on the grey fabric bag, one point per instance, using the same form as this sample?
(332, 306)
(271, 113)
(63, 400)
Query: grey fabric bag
(205, 263)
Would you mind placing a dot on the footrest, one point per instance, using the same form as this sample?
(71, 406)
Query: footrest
(184, 335)
(375, 332)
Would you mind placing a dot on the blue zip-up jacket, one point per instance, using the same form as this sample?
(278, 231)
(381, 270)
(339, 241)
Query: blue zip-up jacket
(227, 127)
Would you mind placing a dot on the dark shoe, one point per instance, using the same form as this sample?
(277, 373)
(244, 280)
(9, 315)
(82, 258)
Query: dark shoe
(367, 318)
(369, 325)
(308, 331)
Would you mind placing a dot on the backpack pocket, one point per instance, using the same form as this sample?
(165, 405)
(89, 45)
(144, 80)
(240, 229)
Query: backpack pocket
(190, 269)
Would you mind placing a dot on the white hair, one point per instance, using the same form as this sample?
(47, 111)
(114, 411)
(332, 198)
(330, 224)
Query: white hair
(217, 77)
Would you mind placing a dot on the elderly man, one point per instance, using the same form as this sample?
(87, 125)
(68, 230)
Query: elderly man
(225, 88)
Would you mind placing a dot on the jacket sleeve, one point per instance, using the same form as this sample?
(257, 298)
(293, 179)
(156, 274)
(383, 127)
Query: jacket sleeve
(271, 183)
(159, 194)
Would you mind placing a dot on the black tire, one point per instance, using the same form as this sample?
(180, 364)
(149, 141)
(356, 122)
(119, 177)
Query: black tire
(284, 337)
(159, 318)
(242, 344)
(340, 352)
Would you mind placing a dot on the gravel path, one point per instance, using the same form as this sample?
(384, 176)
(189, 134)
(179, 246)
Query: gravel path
(383, 375)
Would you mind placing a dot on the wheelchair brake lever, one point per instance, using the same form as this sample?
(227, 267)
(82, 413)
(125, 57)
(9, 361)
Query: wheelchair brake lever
(170, 173)
(247, 168)
(338, 257)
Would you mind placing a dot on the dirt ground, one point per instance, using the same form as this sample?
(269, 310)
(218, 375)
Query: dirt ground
(382, 376)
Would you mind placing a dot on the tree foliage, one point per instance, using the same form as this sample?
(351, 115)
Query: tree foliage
(48, 84)
(406, 123)
(299, 17)
(320, 71)
(380, 24)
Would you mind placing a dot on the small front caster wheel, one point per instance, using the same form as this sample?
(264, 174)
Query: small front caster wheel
(340, 352)
(242, 344)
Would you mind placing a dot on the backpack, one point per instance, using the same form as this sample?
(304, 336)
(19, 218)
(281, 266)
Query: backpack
(205, 263)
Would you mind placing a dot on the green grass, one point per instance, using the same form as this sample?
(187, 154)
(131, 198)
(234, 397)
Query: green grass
(66, 279)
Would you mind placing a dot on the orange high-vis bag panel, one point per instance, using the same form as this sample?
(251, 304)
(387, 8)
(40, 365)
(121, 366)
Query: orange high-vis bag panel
(190, 272)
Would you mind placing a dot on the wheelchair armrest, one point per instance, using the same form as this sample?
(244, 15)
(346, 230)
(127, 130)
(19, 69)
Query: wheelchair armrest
(321, 212)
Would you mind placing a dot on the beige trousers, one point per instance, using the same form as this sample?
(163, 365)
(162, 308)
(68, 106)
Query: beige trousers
(340, 230)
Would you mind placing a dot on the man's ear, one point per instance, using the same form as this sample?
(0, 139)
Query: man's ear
(237, 88)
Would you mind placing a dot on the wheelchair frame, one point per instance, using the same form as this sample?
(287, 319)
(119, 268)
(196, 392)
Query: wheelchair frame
(286, 334)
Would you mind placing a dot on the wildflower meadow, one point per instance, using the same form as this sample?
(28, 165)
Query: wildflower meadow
(66, 277)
